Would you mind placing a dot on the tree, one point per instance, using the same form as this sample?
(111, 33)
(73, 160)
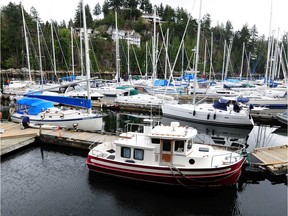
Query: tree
(97, 10)
(78, 20)
(105, 8)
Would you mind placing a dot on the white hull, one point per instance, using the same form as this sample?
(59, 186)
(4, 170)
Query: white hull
(206, 113)
(84, 122)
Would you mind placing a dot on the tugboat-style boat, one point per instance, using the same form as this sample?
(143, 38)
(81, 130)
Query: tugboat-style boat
(167, 155)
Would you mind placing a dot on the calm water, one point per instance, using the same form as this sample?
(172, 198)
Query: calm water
(49, 180)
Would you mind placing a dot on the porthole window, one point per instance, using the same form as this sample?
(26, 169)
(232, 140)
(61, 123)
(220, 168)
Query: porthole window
(191, 161)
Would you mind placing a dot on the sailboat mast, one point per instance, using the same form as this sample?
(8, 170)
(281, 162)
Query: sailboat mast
(154, 46)
(117, 50)
(40, 57)
(197, 54)
(269, 48)
(26, 44)
(86, 56)
(53, 49)
(72, 52)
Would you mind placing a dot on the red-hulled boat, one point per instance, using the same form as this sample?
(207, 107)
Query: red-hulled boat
(167, 155)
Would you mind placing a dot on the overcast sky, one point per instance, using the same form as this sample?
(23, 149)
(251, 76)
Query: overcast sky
(239, 12)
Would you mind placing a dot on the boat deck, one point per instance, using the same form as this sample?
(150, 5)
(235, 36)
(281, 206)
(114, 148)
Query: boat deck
(275, 159)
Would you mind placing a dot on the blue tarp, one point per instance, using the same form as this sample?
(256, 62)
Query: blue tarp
(33, 105)
(68, 78)
(78, 102)
(242, 99)
(161, 82)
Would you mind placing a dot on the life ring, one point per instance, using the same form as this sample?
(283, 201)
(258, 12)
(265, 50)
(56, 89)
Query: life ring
(11, 110)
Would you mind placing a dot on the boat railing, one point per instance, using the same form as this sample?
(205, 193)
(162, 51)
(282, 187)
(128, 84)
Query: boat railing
(228, 158)
(132, 127)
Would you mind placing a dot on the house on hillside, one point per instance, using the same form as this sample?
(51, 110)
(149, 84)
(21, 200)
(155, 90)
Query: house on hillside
(131, 36)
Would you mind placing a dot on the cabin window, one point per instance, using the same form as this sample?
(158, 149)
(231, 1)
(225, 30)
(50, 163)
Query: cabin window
(179, 146)
(166, 145)
(155, 141)
(125, 152)
(189, 144)
(138, 154)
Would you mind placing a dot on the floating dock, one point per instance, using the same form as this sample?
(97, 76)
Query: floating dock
(274, 159)
(13, 137)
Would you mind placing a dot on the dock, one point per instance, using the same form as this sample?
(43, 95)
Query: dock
(13, 137)
(274, 159)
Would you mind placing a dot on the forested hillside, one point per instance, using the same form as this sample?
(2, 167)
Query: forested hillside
(102, 47)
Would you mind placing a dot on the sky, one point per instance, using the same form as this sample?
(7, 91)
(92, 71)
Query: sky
(238, 12)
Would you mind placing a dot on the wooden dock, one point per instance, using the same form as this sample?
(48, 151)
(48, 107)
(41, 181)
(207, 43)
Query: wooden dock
(13, 137)
(274, 159)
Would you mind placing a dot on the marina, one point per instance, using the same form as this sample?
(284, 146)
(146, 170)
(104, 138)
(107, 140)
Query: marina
(136, 108)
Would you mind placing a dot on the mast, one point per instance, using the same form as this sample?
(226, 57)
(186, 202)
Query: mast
(53, 50)
(242, 61)
(154, 46)
(117, 50)
(197, 54)
(223, 63)
(128, 56)
(210, 70)
(26, 44)
(81, 52)
(269, 47)
(72, 51)
(40, 57)
(86, 55)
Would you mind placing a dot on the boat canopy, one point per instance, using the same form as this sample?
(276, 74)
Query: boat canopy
(33, 106)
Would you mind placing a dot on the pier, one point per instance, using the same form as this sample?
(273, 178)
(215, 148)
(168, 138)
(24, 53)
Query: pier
(13, 137)
(274, 159)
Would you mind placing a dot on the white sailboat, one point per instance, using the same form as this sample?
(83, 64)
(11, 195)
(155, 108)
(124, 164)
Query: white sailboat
(207, 113)
(43, 112)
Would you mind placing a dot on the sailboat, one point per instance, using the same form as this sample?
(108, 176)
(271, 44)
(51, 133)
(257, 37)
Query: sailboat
(42, 111)
(219, 113)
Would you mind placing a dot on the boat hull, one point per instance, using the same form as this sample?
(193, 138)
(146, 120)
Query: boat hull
(168, 175)
(213, 117)
(89, 123)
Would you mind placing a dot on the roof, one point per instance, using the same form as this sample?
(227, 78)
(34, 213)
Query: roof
(174, 131)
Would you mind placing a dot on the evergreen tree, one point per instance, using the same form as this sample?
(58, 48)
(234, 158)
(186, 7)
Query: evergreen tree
(97, 9)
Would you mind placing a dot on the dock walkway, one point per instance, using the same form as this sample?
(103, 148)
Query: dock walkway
(13, 137)
(275, 159)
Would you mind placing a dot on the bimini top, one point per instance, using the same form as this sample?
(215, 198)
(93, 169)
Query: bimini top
(33, 105)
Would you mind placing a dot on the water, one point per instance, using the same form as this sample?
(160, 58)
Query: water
(49, 180)
(53, 180)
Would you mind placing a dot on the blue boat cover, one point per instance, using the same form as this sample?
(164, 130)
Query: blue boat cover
(33, 105)
(78, 102)
(161, 82)
(242, 99)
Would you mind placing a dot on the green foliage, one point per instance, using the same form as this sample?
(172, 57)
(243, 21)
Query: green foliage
(102, 50)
